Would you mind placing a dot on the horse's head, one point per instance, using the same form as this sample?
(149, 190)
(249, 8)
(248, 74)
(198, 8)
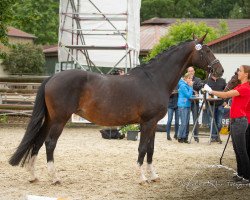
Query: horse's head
(204, 58)
(234, 81)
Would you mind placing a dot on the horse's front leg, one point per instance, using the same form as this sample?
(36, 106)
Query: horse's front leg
(150, 151)
(147, 134)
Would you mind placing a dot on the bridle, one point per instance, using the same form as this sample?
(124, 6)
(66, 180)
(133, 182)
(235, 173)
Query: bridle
(199, 48)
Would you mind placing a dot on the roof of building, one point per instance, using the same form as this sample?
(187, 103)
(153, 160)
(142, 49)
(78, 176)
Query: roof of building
(18, 33)
(150, 35)
(233, 24)
(230, 35)
(50, 49)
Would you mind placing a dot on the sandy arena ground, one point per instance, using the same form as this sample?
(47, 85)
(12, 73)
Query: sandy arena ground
(94, 168)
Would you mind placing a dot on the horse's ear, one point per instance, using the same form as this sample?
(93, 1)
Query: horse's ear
(195, 37)
(201, 40)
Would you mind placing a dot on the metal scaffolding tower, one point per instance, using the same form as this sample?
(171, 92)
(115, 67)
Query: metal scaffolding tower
(99, 33)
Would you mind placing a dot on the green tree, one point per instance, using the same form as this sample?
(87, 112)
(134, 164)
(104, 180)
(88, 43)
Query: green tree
(218, 8)
(246, 9)
(38, 17)
(180, 32)
(24, 59)
(5, 17)
(236, 12)
(170, 8)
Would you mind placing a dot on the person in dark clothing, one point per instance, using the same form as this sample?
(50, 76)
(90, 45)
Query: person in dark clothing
(197, 85)
(217, 84)
(173, 110)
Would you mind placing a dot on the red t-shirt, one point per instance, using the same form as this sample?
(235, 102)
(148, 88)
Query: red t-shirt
(239, 103)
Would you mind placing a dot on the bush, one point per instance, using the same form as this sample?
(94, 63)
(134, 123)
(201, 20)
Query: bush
(130, 127)
(24, 59)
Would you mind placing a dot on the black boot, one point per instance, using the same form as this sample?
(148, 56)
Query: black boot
(169, 138)
(185, 140)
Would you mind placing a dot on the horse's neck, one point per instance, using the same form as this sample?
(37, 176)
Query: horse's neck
(171, 67)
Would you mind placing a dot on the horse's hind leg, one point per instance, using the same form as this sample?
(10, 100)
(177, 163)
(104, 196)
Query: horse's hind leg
(37, 145)
(50, 143)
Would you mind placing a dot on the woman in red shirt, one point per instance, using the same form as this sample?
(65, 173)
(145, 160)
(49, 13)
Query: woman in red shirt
(239, 123)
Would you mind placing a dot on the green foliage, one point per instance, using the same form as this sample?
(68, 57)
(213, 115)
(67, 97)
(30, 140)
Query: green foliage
(5, 18)
(217, 9)
(130, 127)
(236, 12)
(180, 32)
(223, 28)
(3, 119)
(170, 8)
(38, 17)
(222, 9)
(24, 59)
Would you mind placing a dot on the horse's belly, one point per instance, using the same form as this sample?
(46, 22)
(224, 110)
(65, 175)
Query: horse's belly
(110, 117)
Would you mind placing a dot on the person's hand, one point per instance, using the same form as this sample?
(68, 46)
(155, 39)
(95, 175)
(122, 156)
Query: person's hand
(207, 88)
(190, 83)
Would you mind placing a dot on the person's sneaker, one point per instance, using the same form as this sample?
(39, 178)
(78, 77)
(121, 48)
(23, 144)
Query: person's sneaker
(244, 181)
(237, 178)
(169, 138)
(175, 137)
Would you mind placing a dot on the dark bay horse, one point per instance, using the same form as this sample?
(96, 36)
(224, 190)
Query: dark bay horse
(233, 82)
(141, 97)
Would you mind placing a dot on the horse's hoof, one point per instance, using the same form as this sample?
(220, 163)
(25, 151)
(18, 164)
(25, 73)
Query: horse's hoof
(156, 179)
(33, 180)
(57, 182)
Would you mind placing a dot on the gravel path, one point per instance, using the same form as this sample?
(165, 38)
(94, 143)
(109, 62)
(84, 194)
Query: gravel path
(94, 168)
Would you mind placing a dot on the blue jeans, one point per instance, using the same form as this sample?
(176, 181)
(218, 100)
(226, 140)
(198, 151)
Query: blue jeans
(171, 112)
(195, 111)
(184, 115)
(218, 115)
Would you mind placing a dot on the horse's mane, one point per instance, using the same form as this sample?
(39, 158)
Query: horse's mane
(165, 52)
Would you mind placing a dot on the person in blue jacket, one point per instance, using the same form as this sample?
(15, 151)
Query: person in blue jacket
(185, 91)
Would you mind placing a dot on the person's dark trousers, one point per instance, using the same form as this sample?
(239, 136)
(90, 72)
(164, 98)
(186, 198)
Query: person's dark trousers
(248, 140)
(195, 111)
(218, 115)
(238, 132)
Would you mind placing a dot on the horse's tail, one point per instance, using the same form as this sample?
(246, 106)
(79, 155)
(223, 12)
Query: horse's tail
(26, 146)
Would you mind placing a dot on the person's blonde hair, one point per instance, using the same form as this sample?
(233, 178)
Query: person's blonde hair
(187, 75)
